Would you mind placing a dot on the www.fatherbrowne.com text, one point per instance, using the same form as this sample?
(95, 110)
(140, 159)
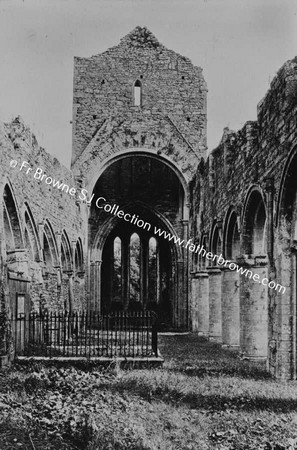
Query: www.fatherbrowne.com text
(40, 175)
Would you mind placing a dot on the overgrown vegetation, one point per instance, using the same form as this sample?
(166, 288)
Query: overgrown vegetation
(203, 398)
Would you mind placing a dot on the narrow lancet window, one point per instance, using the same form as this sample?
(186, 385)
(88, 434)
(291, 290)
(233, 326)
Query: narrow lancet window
(153, 262)
(134, 268)
(137, 93)
(117, 270)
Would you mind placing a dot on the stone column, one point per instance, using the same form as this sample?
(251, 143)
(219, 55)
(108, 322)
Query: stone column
(253, 309)
(97, 286)
(215, 303)
(200, 305)
(91, 305)
(186, 281)
(230, 307)
(178, 318)
(194, 301)
(70, 290)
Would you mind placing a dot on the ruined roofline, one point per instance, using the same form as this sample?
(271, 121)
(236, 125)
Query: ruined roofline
(248, 126)
(23, 138)
(289, 68)
(139, 37)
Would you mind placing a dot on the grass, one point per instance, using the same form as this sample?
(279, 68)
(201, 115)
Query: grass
(203, 398)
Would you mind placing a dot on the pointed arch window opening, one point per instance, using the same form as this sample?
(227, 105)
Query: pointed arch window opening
(137, 93)
(47, 255)
(117, 270)
(31, 241)
(134, 269)
(153, 271)
(232, 249)
(142, 277)
(235, 245)
(259, 230)
(11, 221)
(78, 258)
(9, 238)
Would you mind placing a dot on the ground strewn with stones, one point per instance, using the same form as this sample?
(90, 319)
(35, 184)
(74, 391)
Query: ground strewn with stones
(203, 398)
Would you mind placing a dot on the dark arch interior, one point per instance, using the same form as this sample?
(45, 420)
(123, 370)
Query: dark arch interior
(139, 273)
(254, 229)
(216, 247)
(12, 228)
(289, 199)
(232, 238)
(31, 237)
(134, 277)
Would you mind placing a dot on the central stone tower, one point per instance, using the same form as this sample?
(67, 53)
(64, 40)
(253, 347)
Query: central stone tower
(139, 132)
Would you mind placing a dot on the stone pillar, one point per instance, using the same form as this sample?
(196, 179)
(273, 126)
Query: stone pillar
(230, 308)
(97, 286)
(253, 310)
(200, 305)
(70, 291)
(186, 278)
(215, 303)
(91, 305)
(194, 301)
(269, 188)
(178, 320)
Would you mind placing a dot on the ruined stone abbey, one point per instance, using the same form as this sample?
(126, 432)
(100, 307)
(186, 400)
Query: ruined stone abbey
(85, 238)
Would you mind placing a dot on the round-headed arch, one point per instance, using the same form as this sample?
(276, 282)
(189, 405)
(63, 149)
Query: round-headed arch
(50, 249)
(231, 236)
(11, 220)
(95, 172)
(254, 222)
(287, 192)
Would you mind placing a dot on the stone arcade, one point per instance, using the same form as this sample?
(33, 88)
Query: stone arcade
(139, 141)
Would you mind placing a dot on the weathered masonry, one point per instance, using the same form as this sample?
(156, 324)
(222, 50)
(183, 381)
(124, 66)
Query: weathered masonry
(139, 132)
(243, 206)
(139, 145)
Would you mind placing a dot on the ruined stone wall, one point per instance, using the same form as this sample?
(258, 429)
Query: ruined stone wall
(243, 161)
(170, 86)
(47, 204)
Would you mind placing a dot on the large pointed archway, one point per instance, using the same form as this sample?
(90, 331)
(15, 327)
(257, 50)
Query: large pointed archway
(133, 266)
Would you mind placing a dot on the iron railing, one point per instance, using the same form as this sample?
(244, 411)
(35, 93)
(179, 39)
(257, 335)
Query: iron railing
(86, 334)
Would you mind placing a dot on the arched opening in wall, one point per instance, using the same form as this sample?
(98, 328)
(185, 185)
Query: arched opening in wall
(117, 274)
(254, 235)
(216, 244)
(134, 269)
(232, 237)
(141, 198)
(287, 241)
(137, 93)
(12, 229)
(16, 260)
(65, 283)
(47, 255)
(50, 254)
(153, 271)
(66, 257)
(78, 258)
(31, 239)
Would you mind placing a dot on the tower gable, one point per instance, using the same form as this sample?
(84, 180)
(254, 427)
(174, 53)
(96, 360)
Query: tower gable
(139, 74)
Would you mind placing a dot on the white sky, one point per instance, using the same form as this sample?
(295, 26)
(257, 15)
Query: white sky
(240, 44)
